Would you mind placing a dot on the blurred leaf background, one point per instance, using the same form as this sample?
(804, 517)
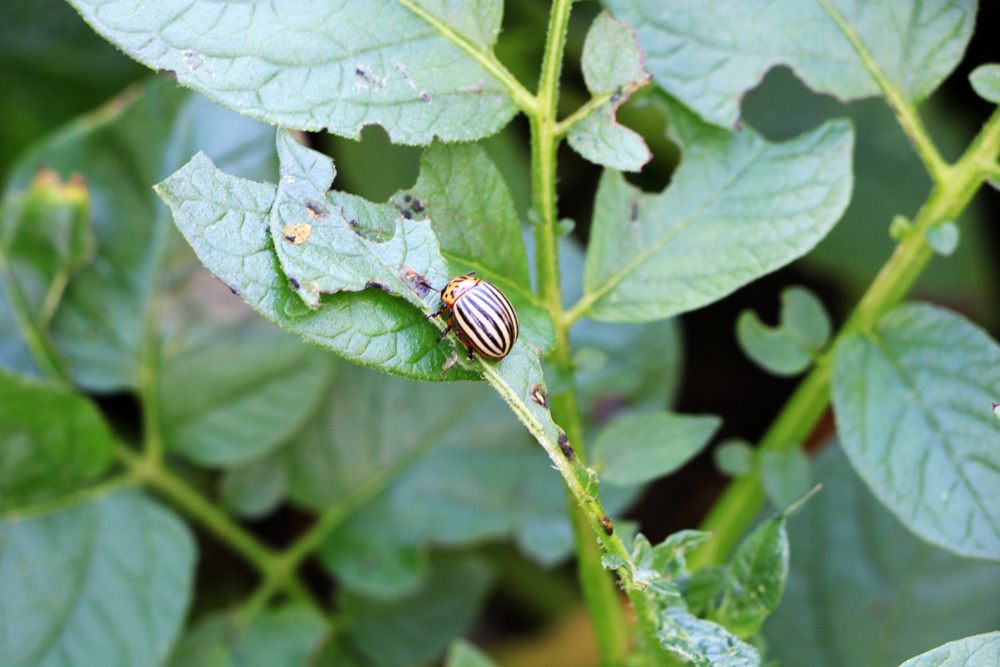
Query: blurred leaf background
(450, 511)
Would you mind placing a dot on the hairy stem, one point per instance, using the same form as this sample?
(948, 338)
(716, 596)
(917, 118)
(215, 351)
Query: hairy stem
(742, 500)
(598, 588)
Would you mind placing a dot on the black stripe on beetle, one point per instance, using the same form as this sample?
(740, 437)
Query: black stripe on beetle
(481, 315)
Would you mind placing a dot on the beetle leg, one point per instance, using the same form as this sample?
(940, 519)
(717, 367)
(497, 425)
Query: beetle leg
(445, 332)
(437, 313)
(469, 350)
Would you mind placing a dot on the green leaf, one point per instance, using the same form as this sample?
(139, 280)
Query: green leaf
(424, 466)
(315, 67)
(473, 215)
(225, 219)
(237, 397)
(733, 457)
(638, 448)
(53, 442)
(45, 238)
(370, 556)
(737, 208)
(613, 66)
(704, 643)
(254, 489)
(663, 567)
(422, 624)
(943, 238)
(112, 579)
(985, 80)
(979, 651)
(906, 396)
(288, 636)
(618, 365)
(463, 654)
(328, 242)
(785, 475)
(864, 591)
(755, 578)
(789, 347)
(709, 55)
(121, 150)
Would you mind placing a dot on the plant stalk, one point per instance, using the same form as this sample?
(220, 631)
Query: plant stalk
(599, 592)
(742, 500)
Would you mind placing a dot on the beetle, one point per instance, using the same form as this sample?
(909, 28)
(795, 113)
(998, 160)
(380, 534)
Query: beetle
(480, 314)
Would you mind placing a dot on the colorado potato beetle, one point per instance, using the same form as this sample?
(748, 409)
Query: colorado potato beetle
(480, 314)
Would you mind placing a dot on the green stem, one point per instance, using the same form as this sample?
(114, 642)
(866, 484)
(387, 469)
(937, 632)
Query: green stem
(742, 500)
(598, 588)
(594, 103)
(42, 350)
(201, 509)
(289, 561)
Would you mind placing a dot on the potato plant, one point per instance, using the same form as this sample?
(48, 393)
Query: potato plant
(231, 433)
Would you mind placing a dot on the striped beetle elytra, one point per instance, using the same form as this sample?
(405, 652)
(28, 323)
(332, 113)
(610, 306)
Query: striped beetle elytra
(480, 314)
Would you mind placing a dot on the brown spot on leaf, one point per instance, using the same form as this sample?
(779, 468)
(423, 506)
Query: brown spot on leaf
(315, 210)
(297, 234)
(539, 396)
(419, 281)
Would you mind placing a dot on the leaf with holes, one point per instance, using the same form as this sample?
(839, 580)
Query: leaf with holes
(226, 221)
(403, 65)
(737, 208)
(912, 400)
(612, 67)
(708, 55)
(329, 242)
(111, 578)
(53, 442)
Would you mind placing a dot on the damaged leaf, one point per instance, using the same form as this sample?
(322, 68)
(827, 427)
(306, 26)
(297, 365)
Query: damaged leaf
(612, 67)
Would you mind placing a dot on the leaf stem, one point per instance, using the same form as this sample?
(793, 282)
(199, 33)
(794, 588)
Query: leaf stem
(292, 557)
(597, 101)
(525, 101)
(49, 360)
(742, 500)
(585, 509)
(906, 113)
(199, 508)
